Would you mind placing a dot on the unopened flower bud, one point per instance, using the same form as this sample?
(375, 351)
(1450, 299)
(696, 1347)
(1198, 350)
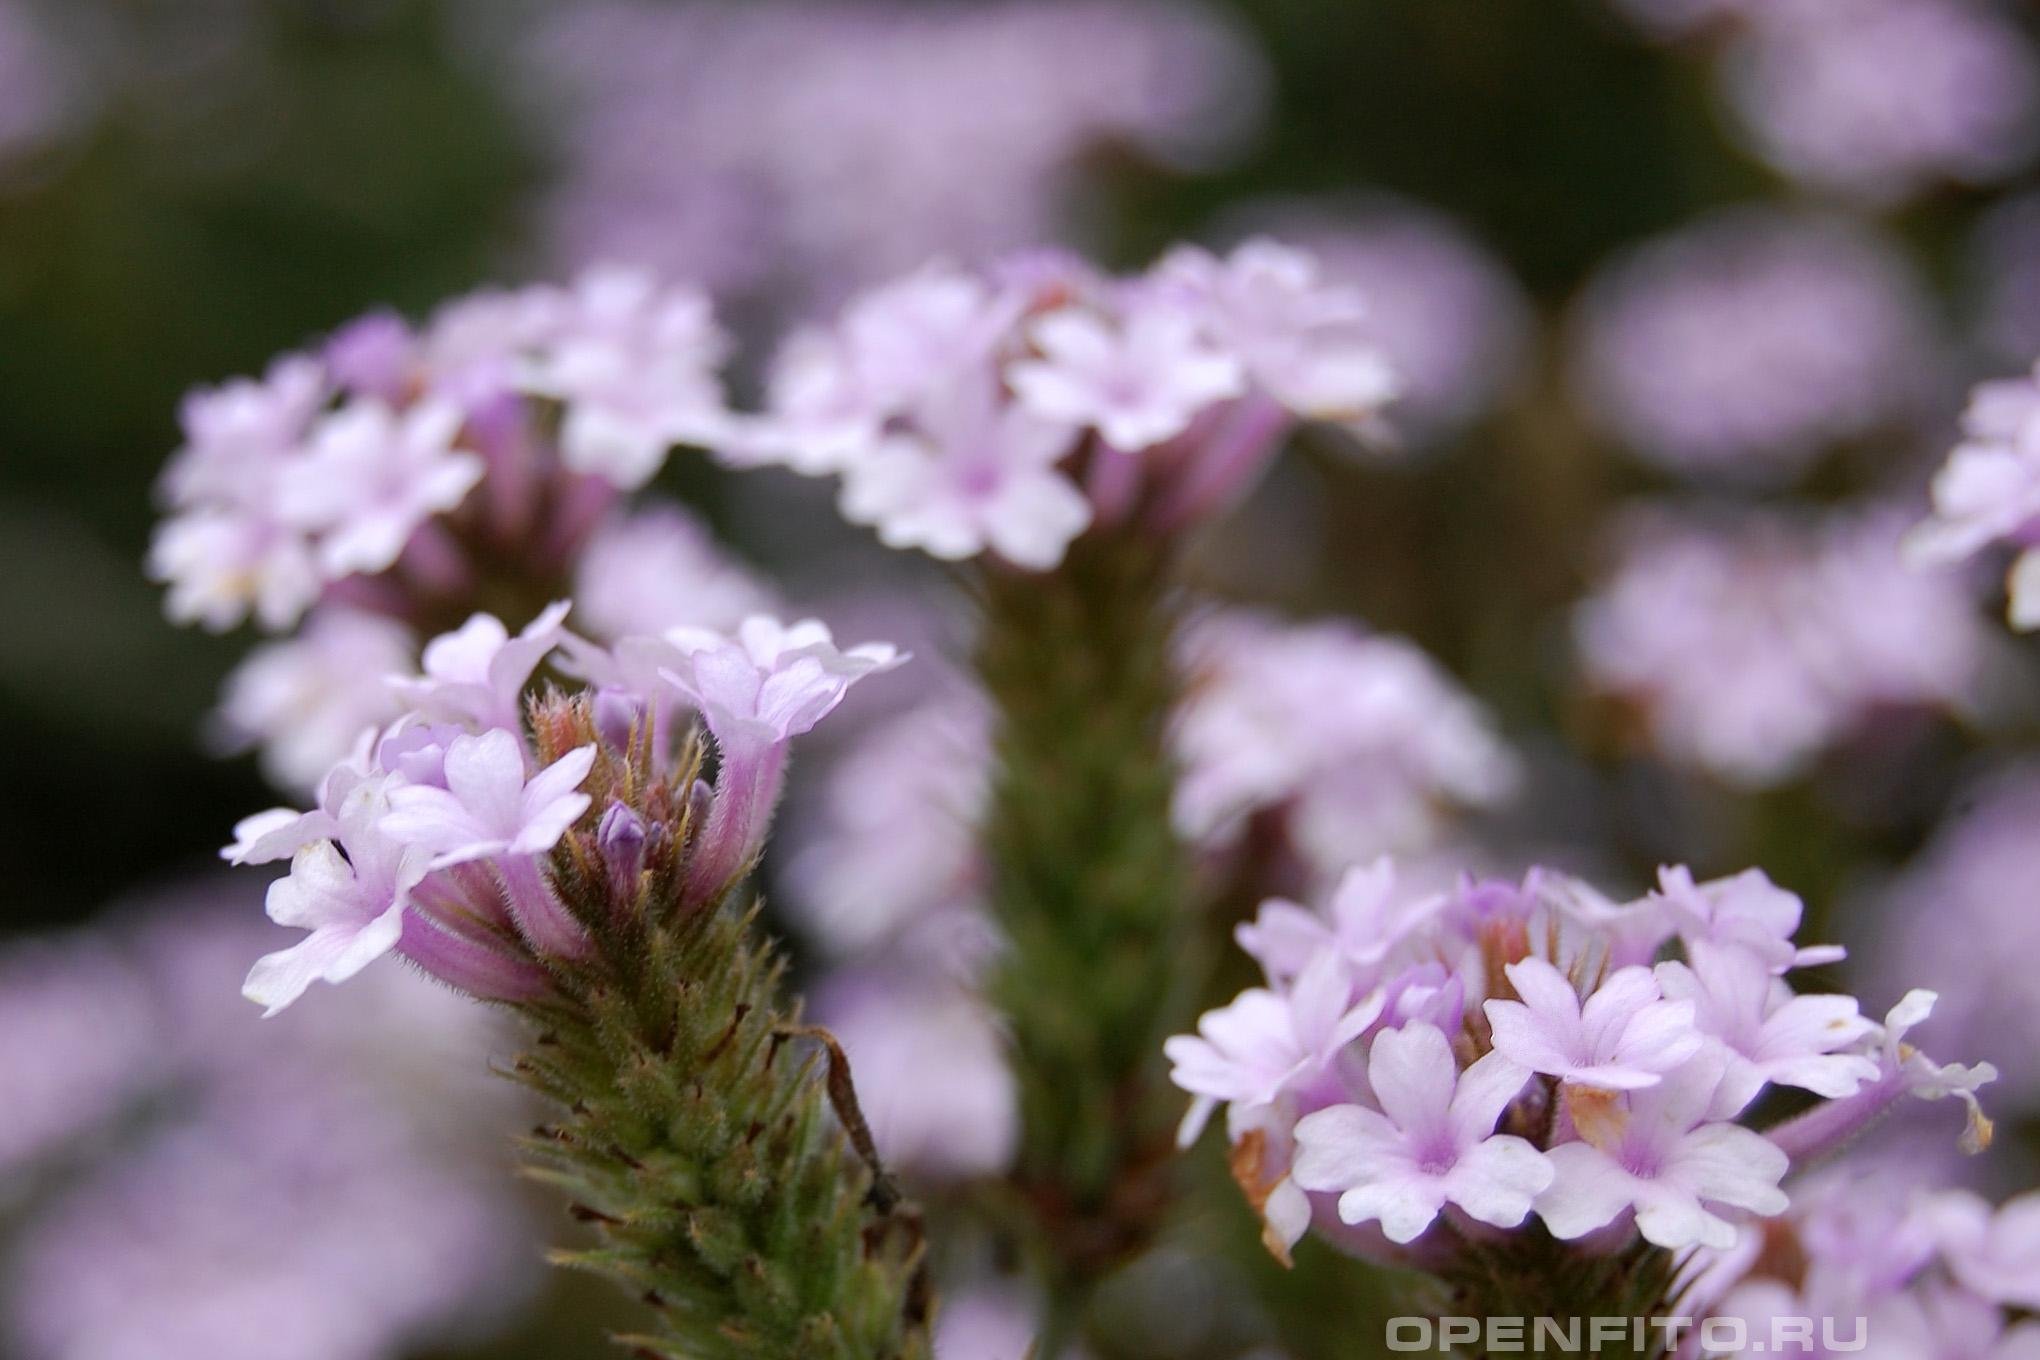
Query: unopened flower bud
(622, 837)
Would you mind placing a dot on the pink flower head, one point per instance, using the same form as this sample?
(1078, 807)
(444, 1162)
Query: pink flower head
(306, 700)
(477, 673)
(1883, 98)
(281, 832)
(1996, 1254)
(1431, 1143)
(1826, 631)
(371, 476)
(1743, 347)
(661, 568)
(1624, 1037)
(1359, 742)
(965, 411)
(1659, 1156)
(635, 365)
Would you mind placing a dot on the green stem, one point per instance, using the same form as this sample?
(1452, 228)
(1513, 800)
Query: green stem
(1092, 889)
(698, 1138)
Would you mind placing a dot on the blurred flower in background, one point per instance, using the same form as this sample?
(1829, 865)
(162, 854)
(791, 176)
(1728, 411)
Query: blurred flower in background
(188, 1184)
(41, 96)
(801, 150)
(1879, 99)
(1960, 919)
(931, 1071)
(1451, 320)
(1746, 345)
(1751, 644)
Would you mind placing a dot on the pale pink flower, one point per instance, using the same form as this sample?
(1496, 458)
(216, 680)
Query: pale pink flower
(1431, 1143)
(1367, 917)
(1825, 631)
(1765, 1034)
(772, 681)
(304, 702)
(243, 431)
(1989, 492)
(477, 673)
(756, 691)
(1267, 1043)
(371, 476)
(1879, 99)
(1996, 1253)
(1360, 741)
(224, 565)
(1745, 911)
(489, 808)
(1623, 1037)
(353, 905)
(1301, 341)
(661, 568)
(973, 476)
(635, 365)
(1137, 383)
(1663, 1159)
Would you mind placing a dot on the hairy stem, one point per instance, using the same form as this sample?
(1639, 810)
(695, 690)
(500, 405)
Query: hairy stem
(1532, 1277)
(1091, 888)
(700, 1137)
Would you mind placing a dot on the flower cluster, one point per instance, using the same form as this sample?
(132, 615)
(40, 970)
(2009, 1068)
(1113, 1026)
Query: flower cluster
(1006, 412)
(1920, 1272)
(1988, 493)
(437, 839)
(1750, 343)
(1816, 618)
(1501, 1051)
(351, 473)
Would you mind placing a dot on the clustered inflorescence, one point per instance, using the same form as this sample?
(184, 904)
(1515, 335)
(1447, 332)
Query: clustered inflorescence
(1502, 1051)
(548, 729)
